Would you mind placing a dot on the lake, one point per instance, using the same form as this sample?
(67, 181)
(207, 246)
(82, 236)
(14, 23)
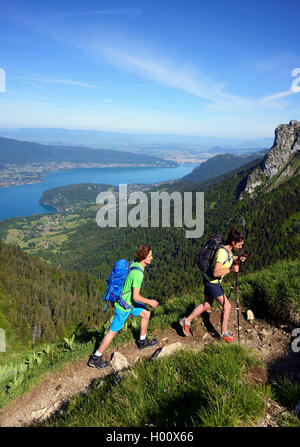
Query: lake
(23, 200)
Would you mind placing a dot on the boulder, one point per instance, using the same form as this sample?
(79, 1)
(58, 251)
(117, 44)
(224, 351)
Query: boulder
(38, 413)
(119, 362)
(250, 316)
(168, 350)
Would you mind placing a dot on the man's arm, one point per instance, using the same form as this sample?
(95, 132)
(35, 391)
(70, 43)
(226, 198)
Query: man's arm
(219, 271)
(137, 297)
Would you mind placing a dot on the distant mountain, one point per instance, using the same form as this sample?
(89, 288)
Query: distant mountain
(220, 164)
(125, 141)
(280, 163)
(240, 150)
(21, 152)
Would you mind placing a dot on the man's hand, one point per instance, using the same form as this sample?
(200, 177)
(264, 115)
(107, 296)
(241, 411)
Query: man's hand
(235, 268)
(242, 258)
(153, 303)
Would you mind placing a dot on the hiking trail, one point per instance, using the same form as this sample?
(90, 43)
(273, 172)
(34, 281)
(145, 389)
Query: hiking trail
(273, 344)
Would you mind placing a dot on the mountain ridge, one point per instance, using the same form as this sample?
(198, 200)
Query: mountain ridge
(221, 164)
(18, 152)
(280, 163)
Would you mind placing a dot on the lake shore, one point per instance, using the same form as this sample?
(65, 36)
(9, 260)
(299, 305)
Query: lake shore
(13, 175)
(23, 199)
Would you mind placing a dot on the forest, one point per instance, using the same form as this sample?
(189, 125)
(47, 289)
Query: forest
(39, 301)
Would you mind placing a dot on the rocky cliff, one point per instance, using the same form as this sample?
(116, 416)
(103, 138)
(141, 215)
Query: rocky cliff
(280, 163)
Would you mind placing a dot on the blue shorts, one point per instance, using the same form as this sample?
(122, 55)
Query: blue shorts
(211, 289)
(121, 316)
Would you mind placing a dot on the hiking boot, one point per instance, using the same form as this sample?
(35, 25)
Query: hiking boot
(147, 343)
(97, 362)
(185, 326)
(228, 337)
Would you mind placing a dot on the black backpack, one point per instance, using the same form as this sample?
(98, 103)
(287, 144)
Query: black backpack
(207, 253)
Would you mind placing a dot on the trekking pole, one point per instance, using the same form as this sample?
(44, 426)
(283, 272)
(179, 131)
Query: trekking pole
(231, 289)
(237, 302)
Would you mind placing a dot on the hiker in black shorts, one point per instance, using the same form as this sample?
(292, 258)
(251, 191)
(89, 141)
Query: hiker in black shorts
(221, 266)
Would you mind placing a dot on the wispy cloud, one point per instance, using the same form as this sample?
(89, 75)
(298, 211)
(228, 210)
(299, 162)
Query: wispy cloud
(57, 81)
(278, 95)
(189, 79)
(128, 12)
(183, 77)
(295, 87)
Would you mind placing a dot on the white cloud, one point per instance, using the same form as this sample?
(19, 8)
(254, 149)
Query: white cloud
(129, 12)
(295, 87)
(278, 95)
(218, 105)
(57, 81)
(183, 77)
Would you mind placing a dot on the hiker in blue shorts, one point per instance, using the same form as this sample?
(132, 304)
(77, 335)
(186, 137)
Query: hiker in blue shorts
(136, 304)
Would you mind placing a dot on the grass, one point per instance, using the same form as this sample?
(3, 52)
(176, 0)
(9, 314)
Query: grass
(274, 293)
(271, 293)
(25, 370)
(19, 378)
(187, 389)
(287, 393)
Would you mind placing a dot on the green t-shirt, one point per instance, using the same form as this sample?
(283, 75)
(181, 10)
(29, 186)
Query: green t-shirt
(133, 280)
(220, 256)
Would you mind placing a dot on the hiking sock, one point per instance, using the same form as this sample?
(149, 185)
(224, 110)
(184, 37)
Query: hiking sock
(143, 337)
(97, 354)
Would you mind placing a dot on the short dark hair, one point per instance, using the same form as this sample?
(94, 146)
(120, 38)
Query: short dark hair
(142, 252)
(234, 236)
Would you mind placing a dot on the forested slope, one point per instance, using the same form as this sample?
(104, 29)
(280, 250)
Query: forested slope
(43, 303)
(271, 230)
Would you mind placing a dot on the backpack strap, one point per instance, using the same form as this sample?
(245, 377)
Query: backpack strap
(228, 256)
(120, 300)
(105, 297)
(227, 251)
(136, 268)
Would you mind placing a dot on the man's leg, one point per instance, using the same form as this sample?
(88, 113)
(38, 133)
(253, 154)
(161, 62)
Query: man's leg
(145, 317)
(200, 309)
(106, 341)
(226, 308)
(96, 360)
(186, 322)
(145, 342)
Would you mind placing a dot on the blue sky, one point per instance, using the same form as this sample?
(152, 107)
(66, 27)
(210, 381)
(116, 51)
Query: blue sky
(208, 68)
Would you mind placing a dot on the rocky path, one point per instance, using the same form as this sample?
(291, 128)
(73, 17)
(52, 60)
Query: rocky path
(272, 344)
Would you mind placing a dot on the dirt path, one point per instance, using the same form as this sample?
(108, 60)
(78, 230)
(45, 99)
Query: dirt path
(273, 345)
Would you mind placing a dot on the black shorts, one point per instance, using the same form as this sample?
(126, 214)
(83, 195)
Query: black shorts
(213, 290)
